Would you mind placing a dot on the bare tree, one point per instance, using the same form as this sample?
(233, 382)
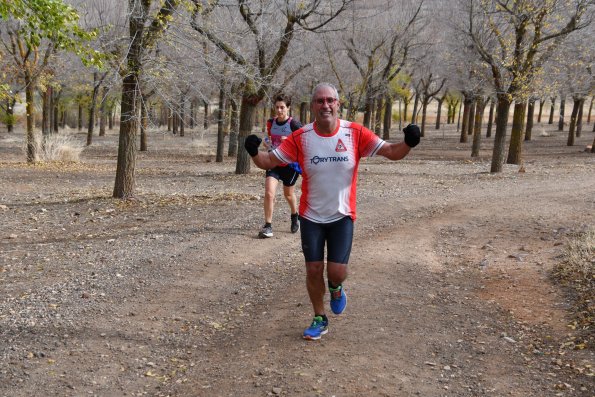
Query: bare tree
(514, 39)
(271, 28)
(144, 33)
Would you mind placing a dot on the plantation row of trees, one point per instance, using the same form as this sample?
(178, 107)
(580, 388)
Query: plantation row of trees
(169, 61)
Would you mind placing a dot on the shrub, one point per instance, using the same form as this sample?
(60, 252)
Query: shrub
(59, 147)
(577, 274)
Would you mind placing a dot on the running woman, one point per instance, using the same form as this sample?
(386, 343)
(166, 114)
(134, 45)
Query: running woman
(278, 129)
(328, 151)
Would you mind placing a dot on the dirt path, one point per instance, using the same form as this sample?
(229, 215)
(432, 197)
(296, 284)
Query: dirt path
(172, 294)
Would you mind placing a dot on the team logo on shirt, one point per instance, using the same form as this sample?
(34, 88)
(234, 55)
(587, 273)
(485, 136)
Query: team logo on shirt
(340, 146)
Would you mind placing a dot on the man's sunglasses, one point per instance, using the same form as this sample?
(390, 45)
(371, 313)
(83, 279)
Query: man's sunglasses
(328, 100)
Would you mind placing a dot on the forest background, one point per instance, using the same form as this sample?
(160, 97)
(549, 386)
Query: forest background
(93, 90)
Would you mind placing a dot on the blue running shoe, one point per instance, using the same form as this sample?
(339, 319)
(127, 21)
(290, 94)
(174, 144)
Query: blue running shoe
(338, 299)
(318, 328)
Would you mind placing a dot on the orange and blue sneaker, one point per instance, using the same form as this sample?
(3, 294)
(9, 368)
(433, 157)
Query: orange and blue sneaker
(318, 328)
(338, 299)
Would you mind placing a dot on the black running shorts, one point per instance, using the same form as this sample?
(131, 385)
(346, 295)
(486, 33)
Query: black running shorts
(337, 235)
(287, 175)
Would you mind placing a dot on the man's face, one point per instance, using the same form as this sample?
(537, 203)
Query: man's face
(281, 109)
(325, 105)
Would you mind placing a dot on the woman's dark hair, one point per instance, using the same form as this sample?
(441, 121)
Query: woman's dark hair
(283, 98)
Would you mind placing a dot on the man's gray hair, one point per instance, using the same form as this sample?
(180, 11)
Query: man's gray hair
(322, 85)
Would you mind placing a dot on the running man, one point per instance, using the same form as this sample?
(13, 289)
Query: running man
(278, 129)
(328, 151)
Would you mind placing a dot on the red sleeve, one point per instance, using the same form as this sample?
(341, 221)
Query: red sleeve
(288, 150)
(369, 142)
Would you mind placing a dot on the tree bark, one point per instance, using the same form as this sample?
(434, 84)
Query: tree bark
(103, 112)
(424, 110)
(490, 119)
(233, 129)
(388, 117)
(471, 117)
(144, 124)
(439, 113)
(247, 113)
(220, 124)
(561, 118)
(552, 110)
(590, 109)
(541, 103)
(515, 150)
(500, 137)
(467, 102)
(480, 104)
(304, 112)
(378, 115)
(182, 114)
(573, 117)
(205, 124)
(529, 126)
(30, 108)
(579, 118)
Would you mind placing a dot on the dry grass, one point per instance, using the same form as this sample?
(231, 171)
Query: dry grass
(61, 147)
(577, 274)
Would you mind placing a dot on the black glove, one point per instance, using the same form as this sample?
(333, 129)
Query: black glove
(412, 135)
(251, 144)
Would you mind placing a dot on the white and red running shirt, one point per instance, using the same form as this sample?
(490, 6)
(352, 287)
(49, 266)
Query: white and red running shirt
(329, 167)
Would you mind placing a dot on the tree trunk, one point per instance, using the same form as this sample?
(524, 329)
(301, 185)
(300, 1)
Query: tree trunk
(192, 114)
(590, 109)
(92, 106)
(367, 112)
(424, 110)
(467, 102)
(220, 125)
(30, 108)
(490, 119)
(110, 117)
(233, 129)
(56, 112)
(414, 114)
(530, 112)
(573, 117)
(175, 120)
(561, 119)
(144, 125)
(303, 112)
(471, 117)
(552, 110)
(206, 116)
(182, 114)
(515, 150)
(378, 114)
(45, 111)
(459, 117)
(247, 113)
(439, 113)
(480, 107)
(124, 185)
(500, 137)
(579, 118)
(541, 103)
(388, 117)
(103, 112)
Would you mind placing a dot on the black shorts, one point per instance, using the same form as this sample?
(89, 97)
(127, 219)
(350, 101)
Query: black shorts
(287, 175)
(337, 235)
